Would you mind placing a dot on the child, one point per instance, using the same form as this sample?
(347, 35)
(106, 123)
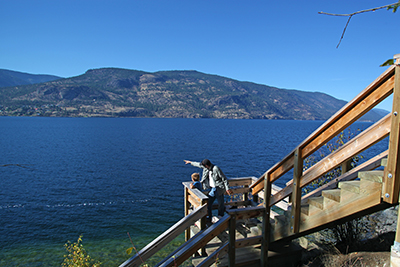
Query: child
(196, 181)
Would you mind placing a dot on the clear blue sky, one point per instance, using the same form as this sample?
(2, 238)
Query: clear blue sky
(286, 44)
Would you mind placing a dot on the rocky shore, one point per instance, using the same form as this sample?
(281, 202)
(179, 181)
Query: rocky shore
(375, 238)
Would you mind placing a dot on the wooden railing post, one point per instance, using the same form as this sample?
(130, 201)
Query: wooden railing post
(296, 192)
(266, 221)
(346, 166)
(245, 195)
(392, 170)
(186, 209)
(203, 222)
(255, 198)
(232, 241)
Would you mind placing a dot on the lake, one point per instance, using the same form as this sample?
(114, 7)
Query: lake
(104, 177)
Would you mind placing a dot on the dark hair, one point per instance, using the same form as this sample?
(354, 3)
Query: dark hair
(206, 162)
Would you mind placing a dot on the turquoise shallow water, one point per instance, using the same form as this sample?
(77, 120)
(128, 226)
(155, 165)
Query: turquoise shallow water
(101, 178)
(109, 252)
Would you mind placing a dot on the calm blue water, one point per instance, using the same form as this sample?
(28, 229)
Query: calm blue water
(104, 177)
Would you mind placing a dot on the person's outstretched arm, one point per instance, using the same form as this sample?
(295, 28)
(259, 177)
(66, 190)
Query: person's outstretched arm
(194, 163)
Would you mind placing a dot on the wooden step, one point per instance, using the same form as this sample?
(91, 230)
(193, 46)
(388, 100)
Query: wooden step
(333, 204)
(333, 194)
(305, 209)
(316, 202)
(273, 213)
(281, 219)
(349, 204)
(315, 205)
(373, 176)
(282, 222)
(309, 209)
(288, 255)
(351, 186)
(242, 231)
(256, 230)
(328, 199)
(371, 181)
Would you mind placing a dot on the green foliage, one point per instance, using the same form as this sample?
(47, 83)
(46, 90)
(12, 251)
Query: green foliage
(387, 63)
(129, 250)
(394, 7)
(77, 256)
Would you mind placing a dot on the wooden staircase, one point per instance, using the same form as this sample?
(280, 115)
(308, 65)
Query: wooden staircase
(232, 241)
(350, 200)
(217, 249)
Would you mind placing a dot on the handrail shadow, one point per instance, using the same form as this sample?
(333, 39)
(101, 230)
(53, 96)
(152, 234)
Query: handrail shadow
(166, 237)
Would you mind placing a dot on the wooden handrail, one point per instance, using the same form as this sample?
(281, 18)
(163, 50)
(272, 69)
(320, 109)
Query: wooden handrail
(371, 164)
(195, 197)
(245, 213)
(198, 242)
(377, 91)
(165, 238)
(364, 140)
(195, 193)
(240, 181)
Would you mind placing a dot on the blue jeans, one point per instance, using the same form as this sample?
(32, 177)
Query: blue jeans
(221, 204)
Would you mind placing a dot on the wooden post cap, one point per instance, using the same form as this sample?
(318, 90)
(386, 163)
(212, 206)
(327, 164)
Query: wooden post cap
(397, 58)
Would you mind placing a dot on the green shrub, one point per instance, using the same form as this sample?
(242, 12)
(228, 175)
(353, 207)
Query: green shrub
(77, 256)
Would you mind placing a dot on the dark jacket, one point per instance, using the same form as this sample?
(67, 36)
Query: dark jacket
(220, 180)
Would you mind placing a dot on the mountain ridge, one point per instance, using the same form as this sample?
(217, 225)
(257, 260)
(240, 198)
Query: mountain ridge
(15, 78)
(117, 92)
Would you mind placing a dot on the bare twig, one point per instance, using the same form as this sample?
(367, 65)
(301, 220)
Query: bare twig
(344, 30)
(390, 6)
(358, 12)
(135, 248)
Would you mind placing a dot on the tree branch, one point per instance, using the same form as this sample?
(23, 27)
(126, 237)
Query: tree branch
(359, 12)
(393, 6)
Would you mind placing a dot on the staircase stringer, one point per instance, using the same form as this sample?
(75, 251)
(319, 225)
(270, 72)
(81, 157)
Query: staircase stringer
(332, 210)
(304, 232)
